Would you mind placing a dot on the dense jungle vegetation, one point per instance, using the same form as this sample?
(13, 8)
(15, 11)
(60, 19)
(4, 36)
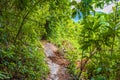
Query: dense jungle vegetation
(95, 38)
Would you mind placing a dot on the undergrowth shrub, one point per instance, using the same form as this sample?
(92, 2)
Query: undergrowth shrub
(21, 28)
(94, 38)
(22, 62)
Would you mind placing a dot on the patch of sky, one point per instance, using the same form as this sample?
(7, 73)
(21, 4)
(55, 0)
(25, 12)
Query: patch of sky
(78, 17)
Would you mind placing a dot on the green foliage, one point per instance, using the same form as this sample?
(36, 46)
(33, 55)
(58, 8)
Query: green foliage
(23, 62)
(86, 7)
(23, 23)
(98, 32)
(21, 27)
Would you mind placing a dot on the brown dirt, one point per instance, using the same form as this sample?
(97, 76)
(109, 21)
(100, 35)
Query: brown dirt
(56, 61)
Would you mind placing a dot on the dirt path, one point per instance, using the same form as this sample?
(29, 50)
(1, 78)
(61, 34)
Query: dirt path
(56, 62)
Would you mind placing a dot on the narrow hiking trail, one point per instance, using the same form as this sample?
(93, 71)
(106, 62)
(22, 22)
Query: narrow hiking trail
(56, 63)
